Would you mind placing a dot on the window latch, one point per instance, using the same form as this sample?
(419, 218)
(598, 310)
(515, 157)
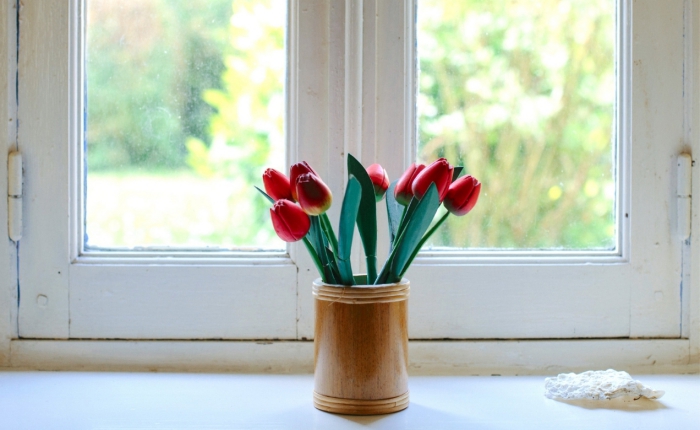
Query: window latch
(14, 196)
(684, 198)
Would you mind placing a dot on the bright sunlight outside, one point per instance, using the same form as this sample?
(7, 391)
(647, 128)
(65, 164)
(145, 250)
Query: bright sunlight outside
(185, 108)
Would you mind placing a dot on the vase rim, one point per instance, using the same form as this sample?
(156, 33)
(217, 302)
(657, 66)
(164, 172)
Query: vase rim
(319, 281)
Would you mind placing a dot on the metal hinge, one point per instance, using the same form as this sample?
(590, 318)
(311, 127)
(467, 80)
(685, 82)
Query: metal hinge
(685, 167)
(14, 196)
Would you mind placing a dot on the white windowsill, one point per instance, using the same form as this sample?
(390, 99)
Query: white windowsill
(89, 400)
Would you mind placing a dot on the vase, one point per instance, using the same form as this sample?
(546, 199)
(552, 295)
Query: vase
(361, 348)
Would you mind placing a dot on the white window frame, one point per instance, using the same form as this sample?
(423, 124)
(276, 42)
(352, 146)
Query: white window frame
(344, 97)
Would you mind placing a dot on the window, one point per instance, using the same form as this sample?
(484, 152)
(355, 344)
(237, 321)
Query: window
(351, 88)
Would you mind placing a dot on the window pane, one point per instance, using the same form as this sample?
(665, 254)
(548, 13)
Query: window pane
(522, 94)
(185, 107)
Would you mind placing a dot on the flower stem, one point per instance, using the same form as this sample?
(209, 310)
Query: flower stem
(427, 235)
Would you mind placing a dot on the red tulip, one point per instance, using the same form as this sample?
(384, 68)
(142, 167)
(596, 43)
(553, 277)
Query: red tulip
(277, 185)
(295, 171)
(380, 180)
(404, 188)
(440, 173)
(314, 195)
(290, 222)
(462, 195)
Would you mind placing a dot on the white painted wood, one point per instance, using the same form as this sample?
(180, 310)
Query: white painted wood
(684, 194)
(657, 122)
(167, 356)
(549, 357)
(8, 129)
(14, 196)
(425, 357)
(183, 302)
(67, 291)
(638, 295)
(44, 112)
(502, 302)
(691, 290)
(87, 400)
(632, 293)
(313, 77)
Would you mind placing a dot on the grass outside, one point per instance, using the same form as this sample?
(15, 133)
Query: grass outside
(173, 209)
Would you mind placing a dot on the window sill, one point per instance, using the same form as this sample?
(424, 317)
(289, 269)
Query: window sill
(32, 400)
(458, 357)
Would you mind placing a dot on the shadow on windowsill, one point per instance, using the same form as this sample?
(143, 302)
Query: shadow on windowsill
(619, 404)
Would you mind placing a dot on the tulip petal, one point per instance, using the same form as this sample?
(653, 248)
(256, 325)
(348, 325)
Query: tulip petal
(313, 194)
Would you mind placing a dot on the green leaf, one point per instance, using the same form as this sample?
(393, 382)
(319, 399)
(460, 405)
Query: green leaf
(328, 231)
(314, 257)
(367, 215)
(265, 194)
(346, 228)
(315, 236)
(394, 212)
(416, 227)
(407, 213)
(427, 235)
(455, 173)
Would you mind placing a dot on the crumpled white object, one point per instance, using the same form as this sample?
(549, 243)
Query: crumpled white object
(597, 385)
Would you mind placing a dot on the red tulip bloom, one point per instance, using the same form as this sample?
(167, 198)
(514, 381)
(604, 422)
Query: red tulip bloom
(277, 185)
(440, 173)
(295, 171)
(404, 188)
(290, 222)
(462, 195)
(380, 180)
(314, 195)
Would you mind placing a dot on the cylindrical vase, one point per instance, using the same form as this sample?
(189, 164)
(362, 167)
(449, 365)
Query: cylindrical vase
(361, 348)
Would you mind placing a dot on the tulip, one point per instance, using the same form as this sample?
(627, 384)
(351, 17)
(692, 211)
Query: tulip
(380, 180)
(277, 185)
(440, 173)
(462, 195)
(404, 188)
(295, 171)
(313, 194)
(290, 222)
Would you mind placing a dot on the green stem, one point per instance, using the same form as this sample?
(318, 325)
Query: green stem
(381, 279)
(427, 235)
(328, 230)
(371, 268)
(329, 278)
(314, 257)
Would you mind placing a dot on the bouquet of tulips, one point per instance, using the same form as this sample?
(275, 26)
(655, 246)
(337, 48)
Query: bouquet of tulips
(301, 200)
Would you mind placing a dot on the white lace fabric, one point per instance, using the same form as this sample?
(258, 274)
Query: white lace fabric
(597, 385)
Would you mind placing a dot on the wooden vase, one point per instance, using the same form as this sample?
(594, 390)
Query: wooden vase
(361, 348)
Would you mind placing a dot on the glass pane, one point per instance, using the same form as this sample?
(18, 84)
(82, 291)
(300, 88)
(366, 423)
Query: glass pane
(185, 108)
(522, 94)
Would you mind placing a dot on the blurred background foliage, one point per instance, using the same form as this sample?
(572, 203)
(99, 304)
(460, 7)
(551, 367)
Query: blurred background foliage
(522, 94)
(185, 105)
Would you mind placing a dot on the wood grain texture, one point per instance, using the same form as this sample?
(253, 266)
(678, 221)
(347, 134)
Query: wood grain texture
(361, 349)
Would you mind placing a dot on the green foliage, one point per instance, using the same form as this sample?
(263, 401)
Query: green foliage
(367, 215)
(346, 228)
(147, 64)
(413, 228)
(522, 95)
(246, 129)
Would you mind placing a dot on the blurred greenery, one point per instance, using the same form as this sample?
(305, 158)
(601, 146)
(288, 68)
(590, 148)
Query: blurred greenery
(148, 63)
(522, 94)
(185, 105)
(183, 89)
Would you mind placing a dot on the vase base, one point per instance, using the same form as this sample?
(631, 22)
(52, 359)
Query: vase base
(360, 407)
